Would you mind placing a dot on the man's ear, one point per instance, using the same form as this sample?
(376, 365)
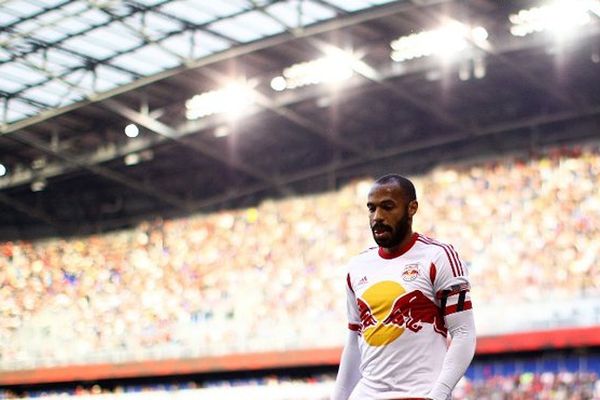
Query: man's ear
(413, 206)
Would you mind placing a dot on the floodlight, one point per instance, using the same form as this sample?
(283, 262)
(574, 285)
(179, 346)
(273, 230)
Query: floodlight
(38, 185)
(446, 42)
(221, 131)
(232, 99)
(132, 130)
(559, 17)
(479, 34)
(2, 170)
(278, 83)
(132, 159)
(336, 66)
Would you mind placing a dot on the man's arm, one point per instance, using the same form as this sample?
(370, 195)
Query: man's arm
(462, 348)
(348, 373)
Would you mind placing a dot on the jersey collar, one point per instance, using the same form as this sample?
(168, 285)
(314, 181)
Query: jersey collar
(400, 251)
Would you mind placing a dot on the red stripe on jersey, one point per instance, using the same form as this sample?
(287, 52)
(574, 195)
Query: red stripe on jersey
(354, 327)
(432, 273)
(349, 284)
(454, 308)
(460, 266)
(425, 240)
(450, 252)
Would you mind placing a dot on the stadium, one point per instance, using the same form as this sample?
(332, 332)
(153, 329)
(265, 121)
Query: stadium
(182, 183)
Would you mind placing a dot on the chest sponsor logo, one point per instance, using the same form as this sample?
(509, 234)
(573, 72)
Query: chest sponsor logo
(410, 272)
(387, 310)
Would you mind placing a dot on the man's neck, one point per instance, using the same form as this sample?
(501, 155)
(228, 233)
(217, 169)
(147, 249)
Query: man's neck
(400, 247)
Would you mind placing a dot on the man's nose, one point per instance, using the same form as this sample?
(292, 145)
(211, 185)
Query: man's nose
(377, 215)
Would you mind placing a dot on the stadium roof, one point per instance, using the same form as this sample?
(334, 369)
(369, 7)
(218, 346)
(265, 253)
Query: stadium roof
(325, 91)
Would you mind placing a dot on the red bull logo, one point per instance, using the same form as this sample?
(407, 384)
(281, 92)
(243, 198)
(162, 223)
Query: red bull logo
(386, 310)
(412, 310)
(410, 273)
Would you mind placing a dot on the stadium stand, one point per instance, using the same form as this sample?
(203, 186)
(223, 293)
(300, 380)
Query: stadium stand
(270, 278)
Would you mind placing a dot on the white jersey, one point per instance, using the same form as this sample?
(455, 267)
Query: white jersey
(397, 303)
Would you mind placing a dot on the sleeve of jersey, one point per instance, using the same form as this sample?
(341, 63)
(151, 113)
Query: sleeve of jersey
(451, 284)
(450, 281)
(459, 355)
(351, 306)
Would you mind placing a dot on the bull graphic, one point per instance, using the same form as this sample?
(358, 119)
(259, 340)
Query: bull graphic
(412, 310)
(366, 316)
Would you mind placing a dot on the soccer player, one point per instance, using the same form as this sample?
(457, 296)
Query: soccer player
(404, 296)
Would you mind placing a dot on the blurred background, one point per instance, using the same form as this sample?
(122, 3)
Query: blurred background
(183, 181)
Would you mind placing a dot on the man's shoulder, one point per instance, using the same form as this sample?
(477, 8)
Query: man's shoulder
(364, 256)
(434, 246)
(445, 254)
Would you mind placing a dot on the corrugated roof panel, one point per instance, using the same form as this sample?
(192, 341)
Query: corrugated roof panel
(259, 22)
(21, 8)
(148, 2)
(310, 12)
(27, 27)
(83, 45)
(108, 78)
(350, 5)
(9, 85)
(147, 60)
(20, 72)
(315, 11)
(62, 58)
(4, 55)
(7, 18)
(205, 43)
(51, 17)
(231, 28)
(222, 8)
(179, 44)
(83, 81)
(153, 26)
(19, 109)
(49, 93)
(71, 25)
(74, 7)
(51, 61)
(115, 37)
(48, 34)
(93, 16)
(185, 10)
(377, 2)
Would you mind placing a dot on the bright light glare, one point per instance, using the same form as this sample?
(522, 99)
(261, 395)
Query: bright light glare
(233, 99)
(132, 130)
(38, 185)
(560, 17)
(479, 34)
(333, 68)
(278, 83)
(445, 41)
(2, 170)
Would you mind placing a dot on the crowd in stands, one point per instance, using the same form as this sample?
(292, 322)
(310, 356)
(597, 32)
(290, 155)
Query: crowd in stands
(272, 277)
(524, 386)
(529, 386)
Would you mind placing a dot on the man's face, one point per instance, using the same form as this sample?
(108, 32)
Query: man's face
(390, 217)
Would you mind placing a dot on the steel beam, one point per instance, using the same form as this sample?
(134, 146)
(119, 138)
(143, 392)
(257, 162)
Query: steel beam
(30, 211)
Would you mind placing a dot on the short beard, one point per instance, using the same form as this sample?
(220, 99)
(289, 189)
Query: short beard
(398, 234)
